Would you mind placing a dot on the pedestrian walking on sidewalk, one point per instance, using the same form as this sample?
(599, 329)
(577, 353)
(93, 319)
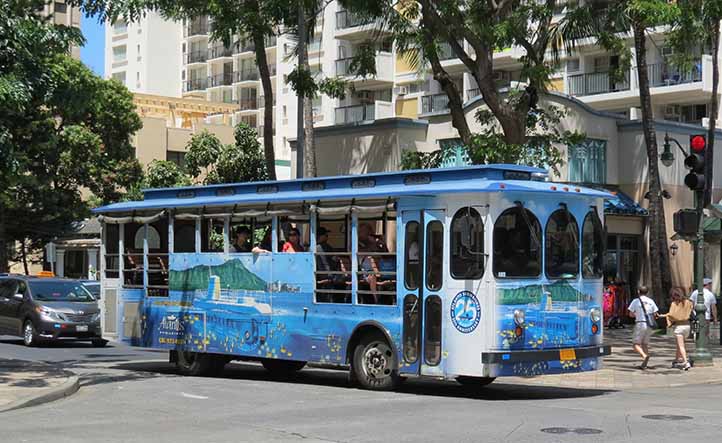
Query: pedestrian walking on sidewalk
(678, 321)
(644, 311)
(710, 302)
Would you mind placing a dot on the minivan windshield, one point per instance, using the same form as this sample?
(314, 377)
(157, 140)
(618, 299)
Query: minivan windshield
(59, 291)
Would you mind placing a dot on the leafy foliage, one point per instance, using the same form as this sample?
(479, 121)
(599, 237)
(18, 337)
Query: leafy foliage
(210, 161)
(62, 129)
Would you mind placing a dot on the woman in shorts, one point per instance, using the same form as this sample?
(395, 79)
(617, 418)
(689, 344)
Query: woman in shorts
(678, 322)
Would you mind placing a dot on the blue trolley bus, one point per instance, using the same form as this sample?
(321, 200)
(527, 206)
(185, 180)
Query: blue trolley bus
(462, 273)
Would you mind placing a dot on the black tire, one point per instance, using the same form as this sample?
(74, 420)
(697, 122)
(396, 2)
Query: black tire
(196, 364)
(374, 364)
(282, 368)
(30, 334)
(99, 343)
(478, 382)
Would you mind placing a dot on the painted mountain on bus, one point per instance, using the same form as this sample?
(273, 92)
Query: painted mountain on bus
(560, 291)
(233, 275)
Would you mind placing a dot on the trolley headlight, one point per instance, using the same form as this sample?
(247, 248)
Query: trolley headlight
(519, 317)
(596, 315)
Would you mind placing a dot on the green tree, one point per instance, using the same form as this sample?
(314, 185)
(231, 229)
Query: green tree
(62, 129)
(210, 161)
(159, 174)
(257, 19)
(611, 24)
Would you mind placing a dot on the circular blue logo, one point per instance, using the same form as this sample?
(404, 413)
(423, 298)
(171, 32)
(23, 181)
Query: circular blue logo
(465, 311)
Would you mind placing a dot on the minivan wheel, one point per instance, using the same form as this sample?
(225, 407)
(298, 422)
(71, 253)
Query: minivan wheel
(30, 334)
(99, 343)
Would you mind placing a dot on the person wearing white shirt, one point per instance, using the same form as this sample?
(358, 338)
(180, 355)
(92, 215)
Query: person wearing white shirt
(640, 308)
(710, 302)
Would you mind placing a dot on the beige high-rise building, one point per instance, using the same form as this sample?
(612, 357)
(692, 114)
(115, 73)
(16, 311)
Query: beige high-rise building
(64, 14)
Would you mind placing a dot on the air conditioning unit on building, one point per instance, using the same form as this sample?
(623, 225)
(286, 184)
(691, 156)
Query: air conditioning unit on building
(402, 90)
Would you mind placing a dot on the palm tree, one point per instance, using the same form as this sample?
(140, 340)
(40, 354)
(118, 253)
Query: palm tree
(609, 23)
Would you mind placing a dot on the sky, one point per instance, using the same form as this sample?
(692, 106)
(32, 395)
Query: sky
(93, 53)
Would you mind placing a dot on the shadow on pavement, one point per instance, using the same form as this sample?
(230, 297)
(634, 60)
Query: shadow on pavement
(339, 379)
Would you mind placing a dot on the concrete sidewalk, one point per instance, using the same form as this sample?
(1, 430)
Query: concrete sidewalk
(620, 369)
(24, 384)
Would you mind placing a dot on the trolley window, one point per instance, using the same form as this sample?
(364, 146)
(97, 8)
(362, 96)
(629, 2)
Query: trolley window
(517, 244)
(434, 255)
(467, 244)
(562, 245)
(592, 246)
(412, 268)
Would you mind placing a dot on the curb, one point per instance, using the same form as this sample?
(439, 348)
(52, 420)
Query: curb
(68, 388)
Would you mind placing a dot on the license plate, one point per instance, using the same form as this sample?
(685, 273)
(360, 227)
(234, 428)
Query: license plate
(82, 328)
(567, 354)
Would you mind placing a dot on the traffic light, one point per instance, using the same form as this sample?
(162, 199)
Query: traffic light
(695, 180)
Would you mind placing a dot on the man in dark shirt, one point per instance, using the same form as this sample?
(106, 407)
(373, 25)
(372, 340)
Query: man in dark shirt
(324, 263)
(242, 244)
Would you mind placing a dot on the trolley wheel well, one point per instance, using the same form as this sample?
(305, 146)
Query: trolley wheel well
(363, 329)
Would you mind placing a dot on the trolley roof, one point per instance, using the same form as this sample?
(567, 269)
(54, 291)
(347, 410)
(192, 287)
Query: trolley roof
(425, 182)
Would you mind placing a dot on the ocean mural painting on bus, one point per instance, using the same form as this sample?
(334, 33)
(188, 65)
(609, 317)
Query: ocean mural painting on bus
(556, 317)
(224, 303)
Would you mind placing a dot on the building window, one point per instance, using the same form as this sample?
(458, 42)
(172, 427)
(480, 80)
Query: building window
(573, 65)
(177, 157)
(588, 162)
(60, 8)
(119, 76)
(120, 27)
(119, 53)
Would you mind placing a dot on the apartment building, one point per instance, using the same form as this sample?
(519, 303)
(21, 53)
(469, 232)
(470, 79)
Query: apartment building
(145, 55)
(64, 14)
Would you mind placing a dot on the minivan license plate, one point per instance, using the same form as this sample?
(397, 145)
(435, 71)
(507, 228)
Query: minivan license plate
(82, 328)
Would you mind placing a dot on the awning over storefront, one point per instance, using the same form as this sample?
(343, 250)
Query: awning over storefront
(622, 204)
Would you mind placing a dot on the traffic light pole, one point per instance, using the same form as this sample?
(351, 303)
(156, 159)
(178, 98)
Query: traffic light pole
(701, 355)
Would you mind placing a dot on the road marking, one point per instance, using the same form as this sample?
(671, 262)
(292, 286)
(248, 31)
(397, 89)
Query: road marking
(196, 397)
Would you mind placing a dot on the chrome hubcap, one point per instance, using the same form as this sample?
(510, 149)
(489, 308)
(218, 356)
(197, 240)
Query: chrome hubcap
(28, 333)
(377, 360)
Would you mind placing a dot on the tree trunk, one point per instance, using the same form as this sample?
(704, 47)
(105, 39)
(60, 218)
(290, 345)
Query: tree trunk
(658, 251)
(309, 149)
(259, 41)
(24, 252)
(713, 112)
(458, 118)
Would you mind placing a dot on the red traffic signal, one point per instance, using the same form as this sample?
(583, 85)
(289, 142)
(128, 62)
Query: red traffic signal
(697, 143)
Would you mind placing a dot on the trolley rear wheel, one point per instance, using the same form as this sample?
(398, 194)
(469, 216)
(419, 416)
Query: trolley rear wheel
(374, 364)
(282, 368)
(198, 364)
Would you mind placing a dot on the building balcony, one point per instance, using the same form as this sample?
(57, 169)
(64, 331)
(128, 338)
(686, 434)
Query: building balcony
(199, 84)
(350, 26)
(384, 71)
(245, 75)
(363, 112)
(596, 83)
(248, 104)
(665, 74)
(197, 27)
(220, 51)
(225, 79)
(196, 57)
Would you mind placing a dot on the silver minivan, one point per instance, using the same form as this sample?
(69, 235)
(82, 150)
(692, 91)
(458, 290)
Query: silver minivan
(39, 309)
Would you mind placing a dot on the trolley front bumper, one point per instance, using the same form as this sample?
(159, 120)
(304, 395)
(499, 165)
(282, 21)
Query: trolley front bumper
(557, 354)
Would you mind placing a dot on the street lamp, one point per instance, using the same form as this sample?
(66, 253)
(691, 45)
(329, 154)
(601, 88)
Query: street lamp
(667, 155)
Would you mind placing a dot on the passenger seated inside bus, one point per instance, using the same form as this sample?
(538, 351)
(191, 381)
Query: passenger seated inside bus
(378, 267)
(293, 244)
(242, 242)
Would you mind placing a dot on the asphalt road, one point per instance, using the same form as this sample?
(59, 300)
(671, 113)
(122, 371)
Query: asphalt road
(126, 398)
